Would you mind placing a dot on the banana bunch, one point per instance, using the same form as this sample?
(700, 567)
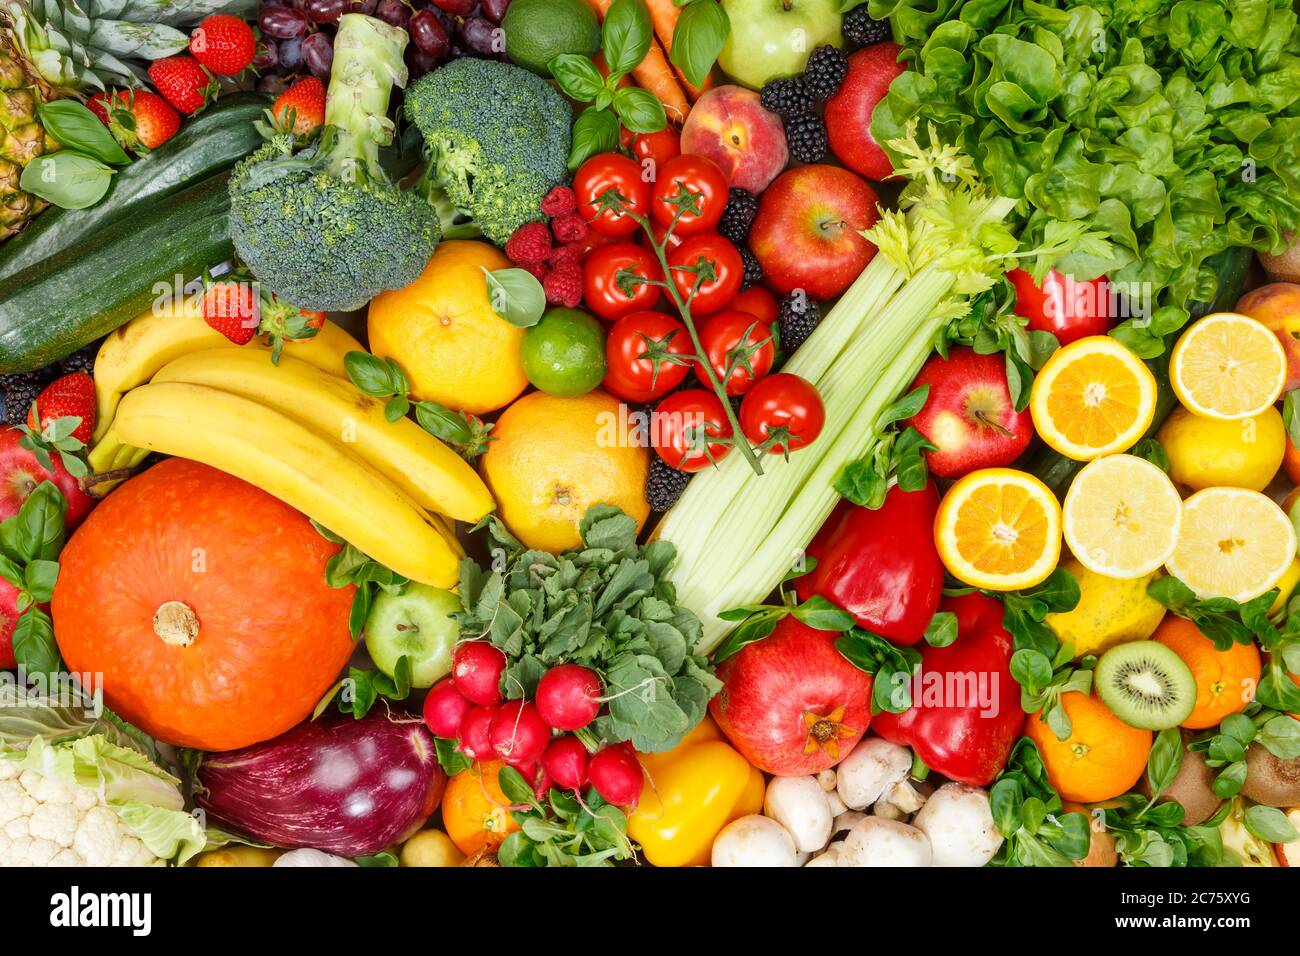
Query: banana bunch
(298, 429)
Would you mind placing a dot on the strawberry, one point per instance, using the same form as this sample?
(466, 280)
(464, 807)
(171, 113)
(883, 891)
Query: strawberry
(141, 120)
(99, 104)
(224, 44)
(72, 396)
(232, 309)
(282, 322)
(183, 83)
(300, 109)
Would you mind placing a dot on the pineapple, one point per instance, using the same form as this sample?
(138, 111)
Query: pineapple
(50, 49)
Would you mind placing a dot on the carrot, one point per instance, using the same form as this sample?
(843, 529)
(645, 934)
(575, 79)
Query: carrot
(654, 73)
(664, 14)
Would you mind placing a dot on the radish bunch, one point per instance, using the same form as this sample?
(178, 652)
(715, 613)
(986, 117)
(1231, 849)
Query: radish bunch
(533, 736)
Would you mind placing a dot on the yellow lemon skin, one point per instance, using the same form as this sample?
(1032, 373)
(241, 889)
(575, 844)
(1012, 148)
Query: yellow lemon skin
(1285, 585)
(1110, 611)
(1208, 453)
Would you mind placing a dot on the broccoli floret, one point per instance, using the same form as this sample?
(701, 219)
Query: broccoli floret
(325, 228)
(497, 138)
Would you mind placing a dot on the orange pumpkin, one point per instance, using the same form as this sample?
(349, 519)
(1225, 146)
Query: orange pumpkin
(202, 602)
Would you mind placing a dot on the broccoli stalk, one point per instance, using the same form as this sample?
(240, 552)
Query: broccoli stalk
(326, 228)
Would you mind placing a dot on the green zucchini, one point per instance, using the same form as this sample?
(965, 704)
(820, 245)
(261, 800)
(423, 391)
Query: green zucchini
(51, 309)
(207, 144)
(1231, 267)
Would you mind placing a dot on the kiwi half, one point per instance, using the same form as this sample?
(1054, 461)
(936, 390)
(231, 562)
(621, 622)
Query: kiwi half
(1146, 685)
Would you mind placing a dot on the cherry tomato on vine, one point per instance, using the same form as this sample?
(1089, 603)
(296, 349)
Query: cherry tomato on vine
(758, 302)
(598, 176)
(784, 408)
(657, 147)
(682, 425)
(1070, 309)
(661, 234)
(698, 176)
(725, 270)
(638, 356)
(740, 342)
(611, 295)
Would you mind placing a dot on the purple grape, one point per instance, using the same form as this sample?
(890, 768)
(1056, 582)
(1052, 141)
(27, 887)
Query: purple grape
(393, 12)
(420, 62)
(481, 36)
(267, 57)
(273, 85)
(429, 35)
(291, 54)
(495, 10)
(457, 8)
(283, 23)
(365, 6)
(326, 11)
(318, 53)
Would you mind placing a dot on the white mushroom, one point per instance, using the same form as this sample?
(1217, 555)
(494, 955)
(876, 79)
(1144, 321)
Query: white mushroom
(959, 825)
(875, 841)
(754, 841)
(800, 805)
(847, 820)
(836, 804)
(883, 808)
(876, 768)
(831, 857)
(826, 779)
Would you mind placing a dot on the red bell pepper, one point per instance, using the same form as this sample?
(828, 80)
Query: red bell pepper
(965, 715)
(881, 566)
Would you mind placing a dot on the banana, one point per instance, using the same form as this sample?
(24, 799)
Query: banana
(427, 470)
(131, 355)
(293, 463)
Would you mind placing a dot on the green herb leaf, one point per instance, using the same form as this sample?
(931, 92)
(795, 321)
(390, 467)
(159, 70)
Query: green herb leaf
(1271, 824)
(67, 179)
(942, 629)
(626, 35)
(821, 614)
(639, 110)
(516, 296)
(594, 131)
(576, 76)
(77, 128)
(698, 38)
(380, 378)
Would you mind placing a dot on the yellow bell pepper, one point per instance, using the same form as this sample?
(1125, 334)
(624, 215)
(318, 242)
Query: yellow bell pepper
(691, 792)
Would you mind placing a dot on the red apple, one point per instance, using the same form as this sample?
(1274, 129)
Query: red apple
(790, 703)
(848, 112)
(969, 414)
(20, 473)
(807, 234)
(1277, 305)
(8, 619)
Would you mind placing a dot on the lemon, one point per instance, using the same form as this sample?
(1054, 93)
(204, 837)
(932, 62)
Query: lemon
(1285, 585)
(1227, 366)
(1093, 397)
(1208, 453)
(1110, 611)
(1121, 516)
(1234, 543)
(1000, 529)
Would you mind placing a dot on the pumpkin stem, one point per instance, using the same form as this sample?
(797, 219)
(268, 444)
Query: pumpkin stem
(176, 623)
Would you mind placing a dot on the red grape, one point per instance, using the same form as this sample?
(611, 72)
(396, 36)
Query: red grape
(318, 53)
(457, 8)
(327, 11)
(481, 36)
(283, 23)
(495, 10)
(267, 56)
(365, 6)
(291, 54)
(429, 35)
(392, 12)
(273, 84)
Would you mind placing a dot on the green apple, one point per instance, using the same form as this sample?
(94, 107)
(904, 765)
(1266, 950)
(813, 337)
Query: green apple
(772, 38)
(418, 624)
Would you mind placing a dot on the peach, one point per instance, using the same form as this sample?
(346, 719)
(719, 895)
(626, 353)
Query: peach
(729, 125)
(1277, 305)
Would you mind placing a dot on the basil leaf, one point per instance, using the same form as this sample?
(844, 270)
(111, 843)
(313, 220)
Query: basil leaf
(1290, 418)
(698, 38)
(516, 296)
(640, 110)
(1165, 760)
(33, 642)
(627, 34)
(67, 179)
(77, 128)
(577, 76)
(1271, 824)
(822, 615)
(376, 377)
(594, 131)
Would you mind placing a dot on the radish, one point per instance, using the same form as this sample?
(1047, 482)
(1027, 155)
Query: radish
(568, 696)
(616, 775)
(566, 761)
(477, 668)
(476, 733)
(518, 733)
(538, 778)
(444, 709)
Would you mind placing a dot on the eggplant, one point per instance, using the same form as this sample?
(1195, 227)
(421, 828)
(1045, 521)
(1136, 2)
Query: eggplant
(346, 786)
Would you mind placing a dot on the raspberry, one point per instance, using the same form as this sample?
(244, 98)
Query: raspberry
(538, 270)
(530, 244)
(564, 287)
(559, 201)
(570, 227)
(568, 254)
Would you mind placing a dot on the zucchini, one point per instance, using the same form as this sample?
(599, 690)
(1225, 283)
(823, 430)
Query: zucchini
(53, 308)
(1231, 267)
(207, 144)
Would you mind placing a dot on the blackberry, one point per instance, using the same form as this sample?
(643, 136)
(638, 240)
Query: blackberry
(825, 71)
(753, 269)
(18, 391)
(861, 30)
(738, 216)
(786, 97)
(82, 360)
(796, 319)
(664, 484)
(806, 136)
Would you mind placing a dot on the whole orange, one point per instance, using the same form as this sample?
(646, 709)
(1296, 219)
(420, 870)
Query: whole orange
(1103, 756)
(1225, 680)
(442, 330)
(475, 812)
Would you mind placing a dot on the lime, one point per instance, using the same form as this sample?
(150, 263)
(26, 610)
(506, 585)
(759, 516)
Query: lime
(537, 31)
(564, 353)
